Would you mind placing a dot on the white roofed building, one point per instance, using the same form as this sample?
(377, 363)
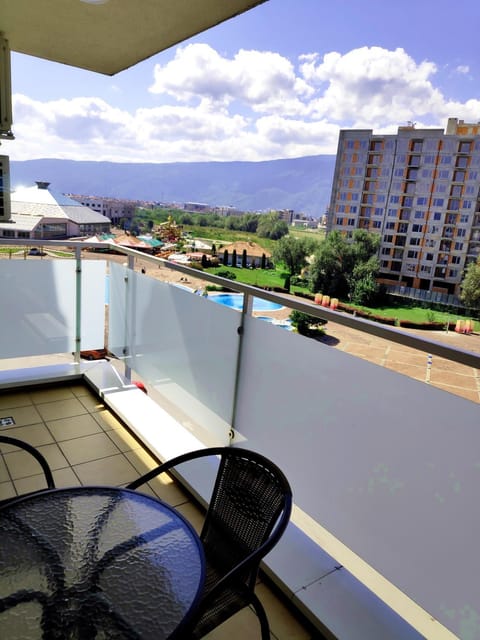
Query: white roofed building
(41, 214)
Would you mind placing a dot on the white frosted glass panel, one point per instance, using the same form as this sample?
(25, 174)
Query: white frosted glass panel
(182, 344)
(389, 465)
(38, 307)
(93, 304)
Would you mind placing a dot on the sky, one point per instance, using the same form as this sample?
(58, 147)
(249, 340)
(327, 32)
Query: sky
(279, 81)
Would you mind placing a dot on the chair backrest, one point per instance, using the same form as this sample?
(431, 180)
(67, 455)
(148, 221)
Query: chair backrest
(249, 510)
(33, 452)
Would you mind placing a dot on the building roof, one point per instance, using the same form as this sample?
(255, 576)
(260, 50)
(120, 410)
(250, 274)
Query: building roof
(41, 202)
(112, 35)
(252, 249)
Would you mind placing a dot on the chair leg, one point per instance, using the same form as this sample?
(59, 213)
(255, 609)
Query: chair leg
(262, 617)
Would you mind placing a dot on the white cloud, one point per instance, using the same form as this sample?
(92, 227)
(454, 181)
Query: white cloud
(371, 86)
(261, 80)
(463, 69)
(256, 105)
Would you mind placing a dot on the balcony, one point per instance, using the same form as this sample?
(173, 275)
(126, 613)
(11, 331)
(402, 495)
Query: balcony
(379, 440)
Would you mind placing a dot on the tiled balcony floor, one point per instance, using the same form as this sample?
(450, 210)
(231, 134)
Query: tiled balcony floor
(84, 443)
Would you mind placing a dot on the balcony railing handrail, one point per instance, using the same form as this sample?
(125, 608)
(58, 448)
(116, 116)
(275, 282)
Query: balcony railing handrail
(393, 334)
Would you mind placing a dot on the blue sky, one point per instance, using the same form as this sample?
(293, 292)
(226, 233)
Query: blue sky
(278, 81)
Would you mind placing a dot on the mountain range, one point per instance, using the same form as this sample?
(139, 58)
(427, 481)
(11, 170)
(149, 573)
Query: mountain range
(302, 184)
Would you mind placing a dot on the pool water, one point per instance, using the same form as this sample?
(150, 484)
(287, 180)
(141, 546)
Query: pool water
(235, 301)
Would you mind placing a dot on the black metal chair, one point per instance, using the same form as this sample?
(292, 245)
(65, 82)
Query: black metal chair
(248, 512)
(36, 454)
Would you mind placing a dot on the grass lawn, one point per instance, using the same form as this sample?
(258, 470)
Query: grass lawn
(255, 277)
(417, 314)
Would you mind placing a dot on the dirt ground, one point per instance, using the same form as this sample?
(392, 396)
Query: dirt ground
(449, 376)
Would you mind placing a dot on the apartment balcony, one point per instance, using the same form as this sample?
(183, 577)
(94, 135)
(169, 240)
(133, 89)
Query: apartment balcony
(383, 463)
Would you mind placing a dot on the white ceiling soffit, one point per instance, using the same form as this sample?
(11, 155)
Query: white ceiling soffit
(110, 36)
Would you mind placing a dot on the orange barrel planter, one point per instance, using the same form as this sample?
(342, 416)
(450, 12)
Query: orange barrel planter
(333, 303)
(318, 298)
(326, 301)
(459, 326)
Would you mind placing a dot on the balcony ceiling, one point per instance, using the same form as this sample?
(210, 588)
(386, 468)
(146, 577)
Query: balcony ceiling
(112, 36)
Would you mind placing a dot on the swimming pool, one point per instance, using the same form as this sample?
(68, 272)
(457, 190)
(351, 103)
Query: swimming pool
(235, 301)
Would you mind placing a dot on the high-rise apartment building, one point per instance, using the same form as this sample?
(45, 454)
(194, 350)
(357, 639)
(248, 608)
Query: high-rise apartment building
(418, 189)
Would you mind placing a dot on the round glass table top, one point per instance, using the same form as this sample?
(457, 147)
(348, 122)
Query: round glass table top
(96, 563)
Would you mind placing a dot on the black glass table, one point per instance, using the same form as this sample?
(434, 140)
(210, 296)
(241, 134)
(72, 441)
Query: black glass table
(96, 563)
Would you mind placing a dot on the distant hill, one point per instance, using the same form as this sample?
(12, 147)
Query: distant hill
(302, 184)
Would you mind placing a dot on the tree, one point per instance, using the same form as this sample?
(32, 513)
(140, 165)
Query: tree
(225, 257)
(470, 286)
(347, 269)
(293, 252)
(244, 259)
(270, 226)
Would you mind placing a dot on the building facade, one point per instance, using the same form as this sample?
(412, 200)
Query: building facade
(419, 190)
(116, 210)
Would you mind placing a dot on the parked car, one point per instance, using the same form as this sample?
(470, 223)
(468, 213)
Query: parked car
(35, 251)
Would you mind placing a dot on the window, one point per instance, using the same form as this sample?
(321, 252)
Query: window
(425, 268)
(456, 259)
(464, 218)
(380, 198)
(438, 202)
(351, 222)
(421, 201)
(429, 256)
(412, 174)
(453, 204)
(412, 254)
(388, 238)
(462, 162)
(465, 147)
(414, 242)
(461, 233)
(437, 215)
(419, 215)
(456, 190)
(458, 246)
(398, 173)
(394, 199)
(443, 174)
(407, 201)
(417, 228)
(390, 225)
(8, 233)
(416, 145)
(392, 213)
(467, 204)
(403, 227)
(376, 145)
(23, 234)
(377, 224)
(473, 175)
(447, 159)
(452, 273)
(458, 176)
(386, 251)
(339, 221)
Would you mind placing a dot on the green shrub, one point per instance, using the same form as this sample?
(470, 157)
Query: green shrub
(226, 273)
